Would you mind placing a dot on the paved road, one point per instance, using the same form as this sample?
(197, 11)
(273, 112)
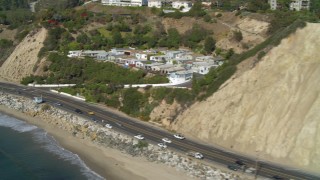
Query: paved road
(154, 135)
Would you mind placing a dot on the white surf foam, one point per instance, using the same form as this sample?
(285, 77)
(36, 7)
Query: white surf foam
(51, 145)
(15, 124)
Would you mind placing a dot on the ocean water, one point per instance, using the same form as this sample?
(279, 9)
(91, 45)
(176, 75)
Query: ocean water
(28, 152)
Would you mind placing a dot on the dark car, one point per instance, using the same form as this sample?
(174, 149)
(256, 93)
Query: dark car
(94, 119)
(240, 163)
(233, 167)
(277, 177)
(78, 111)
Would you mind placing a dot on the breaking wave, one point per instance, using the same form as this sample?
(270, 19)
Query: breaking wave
(49, 143)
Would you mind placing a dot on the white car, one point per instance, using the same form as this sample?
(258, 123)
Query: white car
(108, 126)
(166, 140)
(178, 136)
(198, 155)
(139, 136)
(162, 145)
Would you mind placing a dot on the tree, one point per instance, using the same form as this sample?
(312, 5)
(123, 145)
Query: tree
(117, 38)
(209, 45)
(256, 5)
(315, 7)
(174, 38)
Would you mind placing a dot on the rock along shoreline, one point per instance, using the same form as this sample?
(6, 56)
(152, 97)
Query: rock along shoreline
(85, 129)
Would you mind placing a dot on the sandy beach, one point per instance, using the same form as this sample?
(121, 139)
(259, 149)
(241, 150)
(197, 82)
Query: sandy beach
(107, 162)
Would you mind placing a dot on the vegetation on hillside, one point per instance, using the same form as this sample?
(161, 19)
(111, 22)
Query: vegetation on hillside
(70, 29)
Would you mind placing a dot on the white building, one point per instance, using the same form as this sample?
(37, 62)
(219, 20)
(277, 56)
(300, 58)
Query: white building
(158, 58)
(85, 53)
(90, 53)
(74, 53)
(155, 3)
(125, 2)
(203, 67)
(298, 5)
(273, 4)
(295, 5)
(180, 77)
(184, 6)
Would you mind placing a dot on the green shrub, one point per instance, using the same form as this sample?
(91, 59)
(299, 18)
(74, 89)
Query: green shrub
(141, 144)
(261, 54)
(45, 107)
(4, 43)
(207, 18)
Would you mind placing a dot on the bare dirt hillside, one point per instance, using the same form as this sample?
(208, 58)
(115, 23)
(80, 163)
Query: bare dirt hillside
(271, 111)
(22, 61)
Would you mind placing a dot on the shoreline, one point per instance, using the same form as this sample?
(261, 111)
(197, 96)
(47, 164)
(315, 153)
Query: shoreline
(107, 162)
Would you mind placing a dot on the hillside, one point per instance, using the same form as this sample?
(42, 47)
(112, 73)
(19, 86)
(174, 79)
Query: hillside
(271, 111)
(23, 59)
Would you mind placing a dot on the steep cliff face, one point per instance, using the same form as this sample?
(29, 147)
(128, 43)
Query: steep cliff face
(25, 56)
(271, 111)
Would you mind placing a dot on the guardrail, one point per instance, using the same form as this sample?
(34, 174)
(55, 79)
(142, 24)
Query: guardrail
(51, 85)
(66, 94)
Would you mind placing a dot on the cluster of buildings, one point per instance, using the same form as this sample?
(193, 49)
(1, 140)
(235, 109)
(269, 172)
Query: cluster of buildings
(181, 5)
(177, 65)
(295, 5)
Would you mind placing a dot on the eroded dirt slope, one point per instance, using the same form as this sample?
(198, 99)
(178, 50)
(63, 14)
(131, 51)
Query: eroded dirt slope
(25, 56)
(271, 111)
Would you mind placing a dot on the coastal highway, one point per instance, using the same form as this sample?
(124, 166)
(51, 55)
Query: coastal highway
(154, 135)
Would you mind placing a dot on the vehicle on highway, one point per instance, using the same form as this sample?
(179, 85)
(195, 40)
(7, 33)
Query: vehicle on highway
(233, 167)
(91, 113)
(166, 140)
(198, 155)
(38, 100)
(178, 136)
(195, 154)
(108, 126)
(94, 119)
(250, 170)
(58, 104)
(240, 163)
(78, 111)
(162, 145)
(139, 136)
(276, 177)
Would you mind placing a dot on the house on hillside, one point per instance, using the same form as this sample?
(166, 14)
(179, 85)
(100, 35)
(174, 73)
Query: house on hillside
(144, 55)
(180, 77)
(141, 64)
(74, 53)
(120, 51)
(158, 58)
(184, 6)
(298, 5)
(162, 68)
(90, 53)
(173, 69)
(103, 56)
(203, 67)
(273, 4)
(155, 3)
(125, 2)
(295, 5)
(152, 66)
(204, 58)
